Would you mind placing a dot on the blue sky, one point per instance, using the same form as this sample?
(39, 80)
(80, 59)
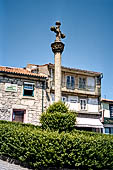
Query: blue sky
(25, 35)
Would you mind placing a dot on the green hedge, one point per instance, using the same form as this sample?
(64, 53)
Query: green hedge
(50, 149)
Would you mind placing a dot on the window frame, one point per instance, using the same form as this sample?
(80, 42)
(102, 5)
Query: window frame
(52, 97)
(84, 106)
(64, 99)
(71, 84)
(82, 87)
(111, 110)
(91, 84)
(32, 85)
(109, 130)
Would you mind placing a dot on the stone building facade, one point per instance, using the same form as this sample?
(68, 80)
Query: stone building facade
(80, 90)
(22, 94)
(26, 92)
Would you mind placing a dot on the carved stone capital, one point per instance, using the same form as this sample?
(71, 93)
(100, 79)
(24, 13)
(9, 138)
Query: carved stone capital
(57, 47)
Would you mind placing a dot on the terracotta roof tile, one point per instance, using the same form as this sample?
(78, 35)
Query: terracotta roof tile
(20, 71)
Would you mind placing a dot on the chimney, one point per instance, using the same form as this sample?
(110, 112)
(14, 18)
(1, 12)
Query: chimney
(32, 68)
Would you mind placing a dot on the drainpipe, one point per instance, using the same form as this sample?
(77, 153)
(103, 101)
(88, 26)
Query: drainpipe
(103, 115)
(43, 97)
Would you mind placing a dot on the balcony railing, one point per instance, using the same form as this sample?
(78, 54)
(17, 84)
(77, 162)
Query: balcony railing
(70, 86)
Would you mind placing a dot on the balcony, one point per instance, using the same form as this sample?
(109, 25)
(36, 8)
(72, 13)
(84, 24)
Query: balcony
(76, 88)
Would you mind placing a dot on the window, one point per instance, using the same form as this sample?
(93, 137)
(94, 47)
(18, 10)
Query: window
(83, 104)
(107, 130)
(111, 111)
(18, 115)
(111, 130)
(82, 83)
(64, 99)
(91, 83)
(73, 99)
(28, 89)
(98, 80)
(51, 72)
(53, 97)
(70, 84)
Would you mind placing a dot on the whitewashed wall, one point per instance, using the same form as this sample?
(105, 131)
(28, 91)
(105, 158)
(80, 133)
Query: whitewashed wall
(73, 103)
(107, 113)
(92, 105)
(105, 107)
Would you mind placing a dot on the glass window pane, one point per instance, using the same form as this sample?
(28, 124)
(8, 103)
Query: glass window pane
(111, 130)
(107, 130)
(70, 82)
(28, 90)
(82, 82)
(83, 104)
(79, 82)
(53, 97)
(68, 79)
(111, 111)
(28, 87)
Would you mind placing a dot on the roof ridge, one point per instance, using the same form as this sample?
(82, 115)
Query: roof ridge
(21, 71)
(77, 69)
(10, 67)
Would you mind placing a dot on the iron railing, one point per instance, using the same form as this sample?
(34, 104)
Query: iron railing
(75, 86)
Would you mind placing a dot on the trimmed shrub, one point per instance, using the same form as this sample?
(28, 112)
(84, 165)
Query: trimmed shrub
(57, 107)
(58, 121)
(41, 149)
(58, 117)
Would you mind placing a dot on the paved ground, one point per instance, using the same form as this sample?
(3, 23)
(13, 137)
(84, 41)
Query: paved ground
(4, 165)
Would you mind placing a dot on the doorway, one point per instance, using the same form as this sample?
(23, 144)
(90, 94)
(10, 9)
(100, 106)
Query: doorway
(18, 115)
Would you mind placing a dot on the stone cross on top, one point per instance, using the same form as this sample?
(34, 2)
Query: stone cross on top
(56, 29)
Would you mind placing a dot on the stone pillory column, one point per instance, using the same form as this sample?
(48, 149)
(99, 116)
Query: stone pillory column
(57, 48)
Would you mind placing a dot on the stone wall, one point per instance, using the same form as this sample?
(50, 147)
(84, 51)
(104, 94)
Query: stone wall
(15, 100)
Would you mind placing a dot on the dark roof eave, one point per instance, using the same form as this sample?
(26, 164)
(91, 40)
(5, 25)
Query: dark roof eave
(106, 101)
